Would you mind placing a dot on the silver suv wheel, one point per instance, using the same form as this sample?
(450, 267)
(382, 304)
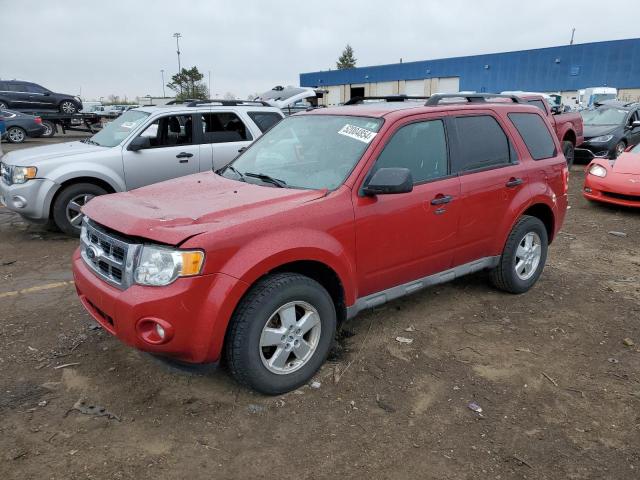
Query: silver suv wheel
(74, 215)
(290, 337)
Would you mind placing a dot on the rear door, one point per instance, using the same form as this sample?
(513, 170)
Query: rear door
(490, 177)
(19, 96)
(174, 152)
(404, 237)
(224, 134)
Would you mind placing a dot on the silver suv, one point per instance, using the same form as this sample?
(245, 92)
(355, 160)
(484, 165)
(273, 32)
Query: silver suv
(143, 146)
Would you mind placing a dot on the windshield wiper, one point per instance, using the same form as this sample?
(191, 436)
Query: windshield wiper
(229, 167)
(92, 142)
(268, 179)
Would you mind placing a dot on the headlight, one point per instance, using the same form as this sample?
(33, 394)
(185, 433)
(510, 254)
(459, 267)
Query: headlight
(159, 266)
(601, 139)
(598, 171)
(22, 174)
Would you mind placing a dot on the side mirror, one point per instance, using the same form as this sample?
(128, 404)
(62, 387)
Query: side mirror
(388, 181)
(139, 143)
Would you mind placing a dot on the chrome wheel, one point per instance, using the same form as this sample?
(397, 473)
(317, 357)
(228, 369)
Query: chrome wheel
(16, 135)
(290, 337)
(48, 129)
(68, 107)
(528, 256)
(74, 215)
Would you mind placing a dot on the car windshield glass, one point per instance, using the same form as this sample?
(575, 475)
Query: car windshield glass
(601, 97)
(308, 151)
(115, 132)
(604, 116)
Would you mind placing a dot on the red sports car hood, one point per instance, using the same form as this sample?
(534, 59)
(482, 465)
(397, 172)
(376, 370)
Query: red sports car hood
(627, 163)
(172, 211)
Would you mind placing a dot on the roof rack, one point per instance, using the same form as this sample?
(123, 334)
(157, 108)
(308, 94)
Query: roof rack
(470, 97)
(387, 98)
(226, 103)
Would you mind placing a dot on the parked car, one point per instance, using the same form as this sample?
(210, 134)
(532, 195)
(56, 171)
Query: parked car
(615, 181)
(331, 212)
(91, 107)
(20, 126)
(590, 97)
(143, 146)
(3, 133)
(609, 129)
(568, 126)
(31, 97)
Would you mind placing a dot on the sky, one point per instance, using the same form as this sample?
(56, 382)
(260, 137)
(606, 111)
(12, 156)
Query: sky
(119, 47)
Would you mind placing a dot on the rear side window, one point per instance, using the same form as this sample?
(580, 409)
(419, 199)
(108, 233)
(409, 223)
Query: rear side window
(481, 143)
(535, 134)
(16, 87)
(264, 120)
(421, 147)
(224, 127)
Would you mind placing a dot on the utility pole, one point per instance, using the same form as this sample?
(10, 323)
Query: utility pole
(573, 32)
(177, 37)
(209, 83)
(162, 73)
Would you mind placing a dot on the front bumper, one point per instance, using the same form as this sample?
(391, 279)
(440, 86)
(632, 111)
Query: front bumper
(601, 190)
(198, 310)
(31, 199)
(587, 152)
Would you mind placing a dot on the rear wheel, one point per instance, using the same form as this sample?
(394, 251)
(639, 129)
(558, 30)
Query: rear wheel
(3, 105)
(68, 106)
(49, 128)
(16, 135)
(523, 258)
(67, 205)
(569, 153)
(281, 333)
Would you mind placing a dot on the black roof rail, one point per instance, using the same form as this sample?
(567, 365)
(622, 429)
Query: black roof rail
(387, 98)
(228, 103)
(470, 97)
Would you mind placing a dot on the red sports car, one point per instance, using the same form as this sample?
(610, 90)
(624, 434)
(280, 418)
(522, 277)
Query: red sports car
(615, 181)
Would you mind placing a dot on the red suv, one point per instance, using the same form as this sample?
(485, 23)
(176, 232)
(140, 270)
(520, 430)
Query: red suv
(331, 212)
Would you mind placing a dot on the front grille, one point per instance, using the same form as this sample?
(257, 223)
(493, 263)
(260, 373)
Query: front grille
(109, 256)
(621, 196)
(6, 173)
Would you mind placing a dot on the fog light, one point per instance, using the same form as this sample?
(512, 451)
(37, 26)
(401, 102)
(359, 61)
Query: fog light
(19, 202)
(160, 331)
(587, 189)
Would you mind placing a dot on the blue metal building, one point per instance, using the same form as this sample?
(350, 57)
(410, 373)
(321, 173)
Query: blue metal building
(613, 63)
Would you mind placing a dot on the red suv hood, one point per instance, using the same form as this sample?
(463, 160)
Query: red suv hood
(172, 211)
(627, 163)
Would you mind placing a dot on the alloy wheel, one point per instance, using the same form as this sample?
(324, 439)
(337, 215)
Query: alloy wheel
(68, 107)
(290, 337)
(74, 215)
(16, 135)
(528, 256)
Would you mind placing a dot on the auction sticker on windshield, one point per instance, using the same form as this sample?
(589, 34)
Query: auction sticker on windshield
(357, 133)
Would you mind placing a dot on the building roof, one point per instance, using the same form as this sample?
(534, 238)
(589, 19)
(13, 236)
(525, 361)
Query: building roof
(614, 63)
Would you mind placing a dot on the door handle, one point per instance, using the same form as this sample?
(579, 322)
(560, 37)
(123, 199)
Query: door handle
(441, 199)
(514, 182)
(184, 155)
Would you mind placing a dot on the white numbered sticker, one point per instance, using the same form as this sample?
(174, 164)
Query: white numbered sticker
(357, 133)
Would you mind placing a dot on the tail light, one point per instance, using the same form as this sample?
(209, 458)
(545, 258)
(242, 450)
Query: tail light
(38, 120)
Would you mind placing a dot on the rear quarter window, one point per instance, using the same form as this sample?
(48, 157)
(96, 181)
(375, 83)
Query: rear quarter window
(535, 134)
(539, 104)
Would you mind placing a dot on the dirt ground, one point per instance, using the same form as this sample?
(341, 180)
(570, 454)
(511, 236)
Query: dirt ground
(558, 384)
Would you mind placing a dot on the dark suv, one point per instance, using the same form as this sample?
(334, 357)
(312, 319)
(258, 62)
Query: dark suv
(30, 97)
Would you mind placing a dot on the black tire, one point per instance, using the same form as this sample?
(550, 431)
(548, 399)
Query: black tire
(63, 200)
(68, 106)
(243, 353)
(504, 276)
(50, 129)
(619, 148)
(569, 153)
(16, 135)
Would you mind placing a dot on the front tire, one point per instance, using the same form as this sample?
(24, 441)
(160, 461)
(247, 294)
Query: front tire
(16, 135)
(281, 333)
(67, 205)
(569, 153)
(523, 258)
(68, 107)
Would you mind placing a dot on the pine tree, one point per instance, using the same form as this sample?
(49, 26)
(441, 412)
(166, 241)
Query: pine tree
(346, 60)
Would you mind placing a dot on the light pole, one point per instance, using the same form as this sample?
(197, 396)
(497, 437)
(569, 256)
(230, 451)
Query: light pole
(162, 73)
(209, 82)
(177, 37)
